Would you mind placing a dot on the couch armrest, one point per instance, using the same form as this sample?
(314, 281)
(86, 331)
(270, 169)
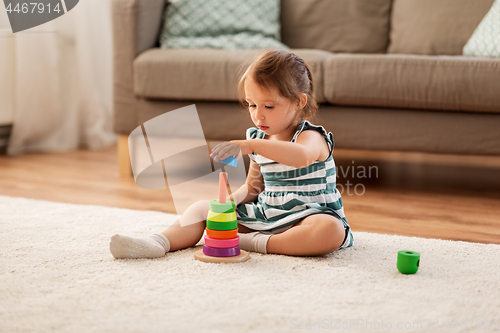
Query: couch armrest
(135, 26)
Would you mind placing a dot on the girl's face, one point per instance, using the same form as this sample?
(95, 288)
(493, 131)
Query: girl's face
(271, 112)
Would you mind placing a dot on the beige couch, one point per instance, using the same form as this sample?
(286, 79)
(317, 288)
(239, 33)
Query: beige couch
(389, 74)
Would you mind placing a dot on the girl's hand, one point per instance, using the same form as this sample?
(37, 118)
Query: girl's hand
(235, 148)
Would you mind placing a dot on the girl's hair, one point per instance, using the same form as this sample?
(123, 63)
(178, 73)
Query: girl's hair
(286, 72)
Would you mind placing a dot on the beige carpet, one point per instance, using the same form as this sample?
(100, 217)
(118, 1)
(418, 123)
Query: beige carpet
(57, 275)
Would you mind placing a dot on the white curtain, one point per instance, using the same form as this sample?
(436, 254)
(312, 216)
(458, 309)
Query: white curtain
(58, 77)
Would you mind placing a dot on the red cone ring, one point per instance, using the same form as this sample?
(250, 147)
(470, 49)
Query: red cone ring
(221, 252)
(221, 243)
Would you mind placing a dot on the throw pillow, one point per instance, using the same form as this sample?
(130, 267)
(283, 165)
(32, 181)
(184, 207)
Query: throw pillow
(222, 24)
(485, 41)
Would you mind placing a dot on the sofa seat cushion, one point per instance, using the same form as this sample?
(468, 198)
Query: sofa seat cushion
(204, 74)
(411, 81)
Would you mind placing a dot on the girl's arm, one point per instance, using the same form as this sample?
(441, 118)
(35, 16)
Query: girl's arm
(304, 152)
(252, 187)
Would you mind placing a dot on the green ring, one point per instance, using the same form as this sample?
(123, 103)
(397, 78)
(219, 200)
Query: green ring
(226, 207)
(408, 262)
(222, 225)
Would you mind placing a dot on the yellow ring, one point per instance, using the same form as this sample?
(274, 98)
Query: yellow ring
(221, 217)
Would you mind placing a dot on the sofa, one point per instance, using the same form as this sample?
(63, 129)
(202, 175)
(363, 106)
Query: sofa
(389, 74)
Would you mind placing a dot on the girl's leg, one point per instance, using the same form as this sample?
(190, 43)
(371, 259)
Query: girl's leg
(174, 238)
(184, 237)
(316, 235)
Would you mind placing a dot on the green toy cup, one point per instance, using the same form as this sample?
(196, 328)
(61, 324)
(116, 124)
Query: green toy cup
(226, 207)
(408, 262)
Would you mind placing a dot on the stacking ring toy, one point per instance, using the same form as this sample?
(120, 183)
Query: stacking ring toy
(222, 225)
(217, 242)
(226, 207)
(223, 234)
(221, 217)
(408, 262)
(221, 240)
(221, 252)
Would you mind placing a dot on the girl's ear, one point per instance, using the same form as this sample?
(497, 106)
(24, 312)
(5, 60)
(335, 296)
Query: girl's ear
(302, 100)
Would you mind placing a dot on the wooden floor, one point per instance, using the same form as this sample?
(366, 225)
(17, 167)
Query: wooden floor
(425, 195)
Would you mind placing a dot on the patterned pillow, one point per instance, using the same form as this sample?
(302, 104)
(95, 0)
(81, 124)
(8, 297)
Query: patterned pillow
(485, 41)
(222, 24)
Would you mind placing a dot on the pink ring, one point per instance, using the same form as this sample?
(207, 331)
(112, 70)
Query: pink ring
(217, 252)
(221, 243)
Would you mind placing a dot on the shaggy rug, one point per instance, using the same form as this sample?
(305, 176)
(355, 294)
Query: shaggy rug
(57, 275)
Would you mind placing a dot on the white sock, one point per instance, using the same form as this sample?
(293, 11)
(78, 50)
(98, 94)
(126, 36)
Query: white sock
(254, 241)
(153, 246)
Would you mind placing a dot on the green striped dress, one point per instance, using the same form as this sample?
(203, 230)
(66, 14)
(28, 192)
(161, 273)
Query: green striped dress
(291, 194)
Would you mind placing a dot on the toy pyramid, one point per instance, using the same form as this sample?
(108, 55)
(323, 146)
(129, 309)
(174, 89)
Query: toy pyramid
(222, 241)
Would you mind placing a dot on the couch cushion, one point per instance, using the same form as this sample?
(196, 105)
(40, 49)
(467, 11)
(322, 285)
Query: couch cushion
(352, 26)
(204, 74)
(416, 82)
(434, 27)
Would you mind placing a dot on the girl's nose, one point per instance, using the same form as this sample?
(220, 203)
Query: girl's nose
(259, 114)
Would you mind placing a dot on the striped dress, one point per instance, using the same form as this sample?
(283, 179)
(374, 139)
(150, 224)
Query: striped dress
(291, 194)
